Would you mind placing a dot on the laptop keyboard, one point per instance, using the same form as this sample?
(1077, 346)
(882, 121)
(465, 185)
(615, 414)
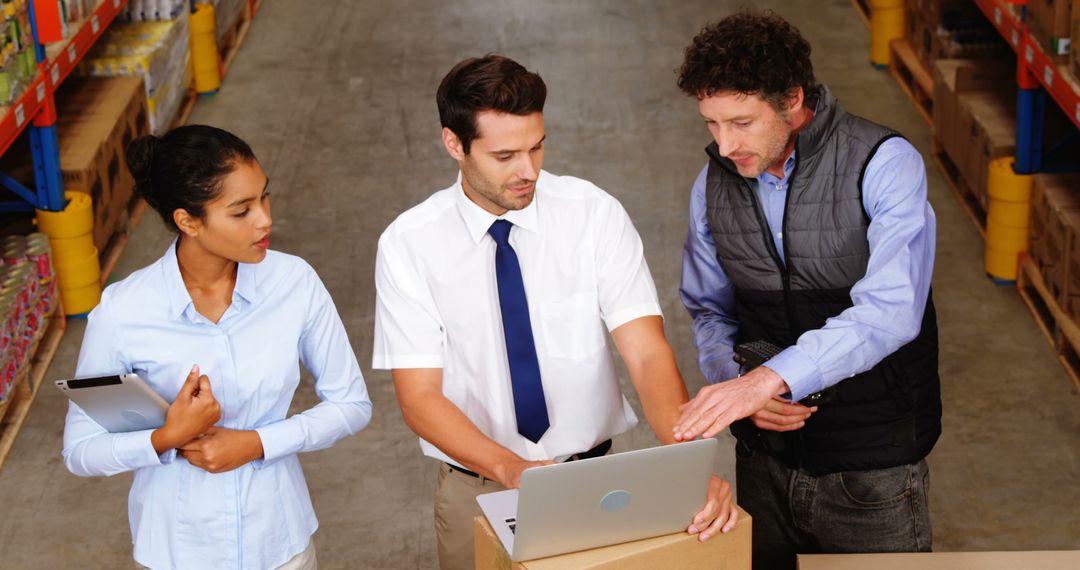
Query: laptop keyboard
(512, 523)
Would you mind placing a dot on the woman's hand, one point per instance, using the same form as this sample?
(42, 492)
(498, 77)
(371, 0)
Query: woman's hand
(222, 449)
(192, 414)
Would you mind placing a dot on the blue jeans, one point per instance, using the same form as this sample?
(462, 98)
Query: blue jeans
(878, 510)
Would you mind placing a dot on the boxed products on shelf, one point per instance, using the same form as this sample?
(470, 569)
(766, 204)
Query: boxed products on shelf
(951, 29)
(18, 61)
(158, 51)
(153, 10)
(75, 10)
(1055, 236)
(974, 116)
(27, 297)
(97, 120)
(1048, 22)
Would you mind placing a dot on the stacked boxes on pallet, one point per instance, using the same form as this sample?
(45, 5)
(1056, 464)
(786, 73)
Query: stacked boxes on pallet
(1055, 237)
(1048, 22)
(158, 51)
(97, 120)
(974, 118)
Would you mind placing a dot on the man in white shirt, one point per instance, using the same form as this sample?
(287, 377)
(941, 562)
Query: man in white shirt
(492, 300)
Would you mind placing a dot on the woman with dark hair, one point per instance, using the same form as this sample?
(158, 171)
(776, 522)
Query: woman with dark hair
(217, 325)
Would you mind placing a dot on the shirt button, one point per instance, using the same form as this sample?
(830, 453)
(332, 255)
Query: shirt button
(779, 235)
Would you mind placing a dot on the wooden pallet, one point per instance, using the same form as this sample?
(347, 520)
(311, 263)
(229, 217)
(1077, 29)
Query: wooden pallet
(960, 189)
(1057, 326)
(234, 38)
(914, 79)
(862, 8)
(14, 410)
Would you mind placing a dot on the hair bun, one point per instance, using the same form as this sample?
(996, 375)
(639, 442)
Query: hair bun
(140, 161)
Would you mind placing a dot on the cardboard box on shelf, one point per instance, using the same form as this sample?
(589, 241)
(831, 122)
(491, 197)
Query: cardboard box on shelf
(992, 135)
(952, 77)
(1035, 560)
(729, 551)
(1056, 204)
(1048, 21)
(972, 115)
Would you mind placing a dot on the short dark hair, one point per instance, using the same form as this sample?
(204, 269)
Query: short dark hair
(183, 169)
(489, 83)
(749, 53)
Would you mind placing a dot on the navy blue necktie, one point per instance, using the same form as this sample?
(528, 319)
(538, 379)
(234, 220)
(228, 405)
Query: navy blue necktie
(530, 407)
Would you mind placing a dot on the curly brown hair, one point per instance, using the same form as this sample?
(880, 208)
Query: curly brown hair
(749, 53)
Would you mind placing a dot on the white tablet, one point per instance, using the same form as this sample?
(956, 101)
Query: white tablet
(120, 403)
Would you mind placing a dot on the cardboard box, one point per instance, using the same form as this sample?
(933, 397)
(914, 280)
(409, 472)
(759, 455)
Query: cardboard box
(729, 551)
(1034, 560)
(953, 126)
(992, 135)
(97, 118)
(1048, 21)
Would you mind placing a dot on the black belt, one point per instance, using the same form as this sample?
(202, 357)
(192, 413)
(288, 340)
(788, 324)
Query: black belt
(598, 451)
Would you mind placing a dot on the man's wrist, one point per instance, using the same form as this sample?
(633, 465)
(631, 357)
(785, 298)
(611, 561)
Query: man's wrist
(771, 381)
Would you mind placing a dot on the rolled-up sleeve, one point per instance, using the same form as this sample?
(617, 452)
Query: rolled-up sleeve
(345, 407)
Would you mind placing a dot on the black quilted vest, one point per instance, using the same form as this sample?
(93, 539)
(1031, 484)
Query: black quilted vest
(889, 415)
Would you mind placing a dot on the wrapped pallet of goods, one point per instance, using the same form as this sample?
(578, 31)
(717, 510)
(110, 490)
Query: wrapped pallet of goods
(156, 50)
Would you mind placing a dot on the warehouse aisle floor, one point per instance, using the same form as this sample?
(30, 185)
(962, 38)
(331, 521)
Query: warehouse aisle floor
(337, 99)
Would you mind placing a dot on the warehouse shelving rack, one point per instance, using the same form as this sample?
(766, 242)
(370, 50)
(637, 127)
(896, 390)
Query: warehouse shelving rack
(1037, 77)
(36, 107)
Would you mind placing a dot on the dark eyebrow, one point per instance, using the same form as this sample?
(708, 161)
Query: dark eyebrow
(246, 200)
(542, 139)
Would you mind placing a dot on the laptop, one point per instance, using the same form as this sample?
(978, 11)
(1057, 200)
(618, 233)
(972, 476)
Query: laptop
(602, 501)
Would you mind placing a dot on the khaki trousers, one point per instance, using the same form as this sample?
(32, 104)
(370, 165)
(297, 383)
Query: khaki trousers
(455, 508)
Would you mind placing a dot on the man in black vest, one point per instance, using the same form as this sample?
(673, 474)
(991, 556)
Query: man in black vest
(810, 231)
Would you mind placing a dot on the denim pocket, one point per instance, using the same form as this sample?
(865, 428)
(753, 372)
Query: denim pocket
(876, 488)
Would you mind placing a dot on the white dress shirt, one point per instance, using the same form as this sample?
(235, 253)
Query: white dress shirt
(256, 516)
(437, 306)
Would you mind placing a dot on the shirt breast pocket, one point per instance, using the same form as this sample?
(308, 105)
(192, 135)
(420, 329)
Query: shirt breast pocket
(572, 327)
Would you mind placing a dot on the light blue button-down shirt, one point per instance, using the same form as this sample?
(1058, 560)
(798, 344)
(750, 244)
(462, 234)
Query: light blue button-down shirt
(256, 516)
(888, 301)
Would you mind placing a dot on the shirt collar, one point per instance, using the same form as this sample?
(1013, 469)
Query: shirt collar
(478, 220)
(180, 300)
(789, 166)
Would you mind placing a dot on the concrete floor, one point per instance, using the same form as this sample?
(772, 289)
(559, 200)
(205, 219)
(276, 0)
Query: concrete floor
(337, 99)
